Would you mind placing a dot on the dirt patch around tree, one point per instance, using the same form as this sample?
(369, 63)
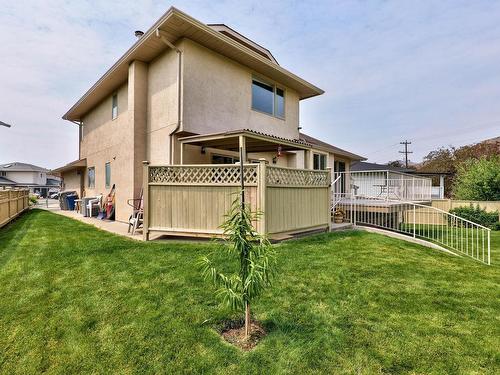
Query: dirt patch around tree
(233, 331)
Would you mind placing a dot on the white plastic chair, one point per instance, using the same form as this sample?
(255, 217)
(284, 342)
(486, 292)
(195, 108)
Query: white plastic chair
(93, 203)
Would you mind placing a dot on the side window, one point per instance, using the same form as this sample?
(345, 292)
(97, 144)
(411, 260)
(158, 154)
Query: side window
(91, 177)
(319, 161)
(114, 106)
(107, 169)
(268, 98)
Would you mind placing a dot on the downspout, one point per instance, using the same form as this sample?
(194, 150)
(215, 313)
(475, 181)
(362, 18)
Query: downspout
(179, 90)
(80, 124)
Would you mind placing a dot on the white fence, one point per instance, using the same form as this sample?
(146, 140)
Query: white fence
(384, 184)
(418, 220)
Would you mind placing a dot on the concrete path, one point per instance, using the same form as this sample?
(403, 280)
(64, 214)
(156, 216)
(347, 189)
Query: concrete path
(116, 227)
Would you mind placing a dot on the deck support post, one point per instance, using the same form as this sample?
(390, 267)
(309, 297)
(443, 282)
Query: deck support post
(261, 189)
(145, 197)
(243, 148)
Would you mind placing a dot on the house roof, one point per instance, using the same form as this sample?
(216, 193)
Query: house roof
(364, 166)
(330, 148)
(21, 167)
(175, 25)
(81, 163)
(6, 181)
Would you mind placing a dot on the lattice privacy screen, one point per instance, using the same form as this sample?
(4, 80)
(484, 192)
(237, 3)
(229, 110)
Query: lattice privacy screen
(296, 177)
(194, 175)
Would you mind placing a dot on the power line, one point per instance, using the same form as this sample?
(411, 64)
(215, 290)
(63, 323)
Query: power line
(406, 152)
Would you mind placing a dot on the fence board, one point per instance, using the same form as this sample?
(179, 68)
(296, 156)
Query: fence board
(12, 203)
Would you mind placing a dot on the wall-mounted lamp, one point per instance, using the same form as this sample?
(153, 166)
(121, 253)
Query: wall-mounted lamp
(203, 150)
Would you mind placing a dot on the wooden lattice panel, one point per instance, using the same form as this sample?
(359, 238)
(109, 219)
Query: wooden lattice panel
(202, 175)
(296, 177)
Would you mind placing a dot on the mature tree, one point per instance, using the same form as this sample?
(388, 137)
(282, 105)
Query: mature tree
(478, 180)
(396, 163)
(255, 257)
(448, 160)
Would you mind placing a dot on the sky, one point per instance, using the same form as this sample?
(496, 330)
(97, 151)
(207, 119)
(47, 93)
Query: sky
(423, 71)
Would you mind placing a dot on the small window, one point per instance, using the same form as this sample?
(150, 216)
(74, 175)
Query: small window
(268, 98)
(107, 169)
(114, 107)
(91, 177)
(3, 173)
(319, 161)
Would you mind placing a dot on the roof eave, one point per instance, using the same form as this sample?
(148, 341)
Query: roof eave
(309, 91)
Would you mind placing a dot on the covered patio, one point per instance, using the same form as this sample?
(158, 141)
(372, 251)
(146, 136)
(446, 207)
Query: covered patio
(254, 146)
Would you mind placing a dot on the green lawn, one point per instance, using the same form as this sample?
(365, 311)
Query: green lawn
(76, 299)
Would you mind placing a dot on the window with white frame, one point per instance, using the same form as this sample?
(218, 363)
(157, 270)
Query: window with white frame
(268, 98)
(319, 161)
(107, 173)
(114, 106)
(91, 177)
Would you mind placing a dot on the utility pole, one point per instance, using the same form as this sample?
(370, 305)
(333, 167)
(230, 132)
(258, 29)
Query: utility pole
(406, 152)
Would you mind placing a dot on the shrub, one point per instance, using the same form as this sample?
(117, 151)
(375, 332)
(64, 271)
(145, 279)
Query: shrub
(478, 180)
(33, 200)
(478, 216)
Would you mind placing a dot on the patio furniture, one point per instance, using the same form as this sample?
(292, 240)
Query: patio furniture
(94, 204)
(137, 217)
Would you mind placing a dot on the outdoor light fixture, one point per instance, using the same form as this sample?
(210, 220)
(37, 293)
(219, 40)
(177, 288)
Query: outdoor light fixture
(203, 150)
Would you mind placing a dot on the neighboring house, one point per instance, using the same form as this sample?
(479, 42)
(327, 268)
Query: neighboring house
(35, 178)
(391, 182)
(190, 93)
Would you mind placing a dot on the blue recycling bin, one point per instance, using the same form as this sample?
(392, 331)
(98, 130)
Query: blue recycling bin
(71, 202)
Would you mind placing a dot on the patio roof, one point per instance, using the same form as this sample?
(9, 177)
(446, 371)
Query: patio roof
(254, 141)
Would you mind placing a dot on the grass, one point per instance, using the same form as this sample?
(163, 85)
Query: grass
(76, 299)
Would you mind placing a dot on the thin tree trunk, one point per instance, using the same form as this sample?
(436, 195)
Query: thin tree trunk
(247, 320)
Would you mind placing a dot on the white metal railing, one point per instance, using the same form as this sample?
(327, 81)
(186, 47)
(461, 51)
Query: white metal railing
(418, 220)
(385, 184)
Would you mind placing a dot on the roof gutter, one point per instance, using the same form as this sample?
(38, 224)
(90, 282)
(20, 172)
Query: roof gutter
(159, 35)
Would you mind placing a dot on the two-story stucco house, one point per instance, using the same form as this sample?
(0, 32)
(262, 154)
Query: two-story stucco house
(190, 93)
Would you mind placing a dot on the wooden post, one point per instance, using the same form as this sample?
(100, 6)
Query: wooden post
(182, 153)
(329, 199)
(145, 197)
(243, 148)
(261, 189)
(9, 200)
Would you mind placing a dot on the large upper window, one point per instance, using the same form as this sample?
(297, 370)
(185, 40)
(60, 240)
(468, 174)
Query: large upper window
(91, 177)
(268, 98)
(114, 106)
(319, 161)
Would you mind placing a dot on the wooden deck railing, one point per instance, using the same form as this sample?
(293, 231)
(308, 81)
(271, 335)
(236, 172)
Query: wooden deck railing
(193, 199)
(12, 203)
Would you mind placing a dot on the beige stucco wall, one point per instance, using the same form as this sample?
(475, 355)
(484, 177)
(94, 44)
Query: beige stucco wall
(161, 106)
(72, 181)
(107, 140)
(218, 97)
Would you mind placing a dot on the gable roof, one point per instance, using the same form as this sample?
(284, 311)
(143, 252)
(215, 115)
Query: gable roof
(175, 25)
(6, 181)
(21, 167)
(330, 148)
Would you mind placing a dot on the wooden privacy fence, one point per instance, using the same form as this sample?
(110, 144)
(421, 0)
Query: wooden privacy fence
(192, 200)
(12, 203)
(448, 204)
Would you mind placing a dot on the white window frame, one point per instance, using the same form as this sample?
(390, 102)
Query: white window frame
(89, 185)
(114, 108)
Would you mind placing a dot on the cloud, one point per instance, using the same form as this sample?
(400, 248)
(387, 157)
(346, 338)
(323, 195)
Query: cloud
(391, 69)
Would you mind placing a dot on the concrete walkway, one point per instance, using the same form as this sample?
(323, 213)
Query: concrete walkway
(116, 227)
